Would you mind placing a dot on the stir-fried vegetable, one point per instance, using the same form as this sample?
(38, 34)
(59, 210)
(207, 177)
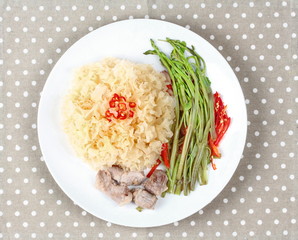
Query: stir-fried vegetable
(190, 153)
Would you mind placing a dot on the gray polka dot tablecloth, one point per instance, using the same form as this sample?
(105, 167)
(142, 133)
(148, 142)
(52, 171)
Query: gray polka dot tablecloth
(258, 39)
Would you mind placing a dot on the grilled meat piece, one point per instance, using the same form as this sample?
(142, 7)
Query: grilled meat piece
(144, 199)
(157, 183)
(119, 193)
(125, 177)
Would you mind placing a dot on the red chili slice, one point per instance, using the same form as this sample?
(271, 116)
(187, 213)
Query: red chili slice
(108, 113)
(214, 150)
(115, 97)
(122, 106)
(132, 104)
(154, 168)
(122, 98)
(222, 133)
(169, 86)
(122, 115)
(130, 113)
(165, 154)
(112, 104)
(213, 164)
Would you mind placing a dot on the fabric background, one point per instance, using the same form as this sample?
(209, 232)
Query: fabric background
(258, 39)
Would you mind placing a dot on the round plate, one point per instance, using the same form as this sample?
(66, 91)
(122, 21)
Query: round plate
(129, 39)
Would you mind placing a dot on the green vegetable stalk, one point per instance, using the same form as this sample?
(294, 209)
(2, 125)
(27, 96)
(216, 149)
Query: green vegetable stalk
(190, 152)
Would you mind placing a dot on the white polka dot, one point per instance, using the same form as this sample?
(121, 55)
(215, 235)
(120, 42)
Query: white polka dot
(290, 132)
(267, 210)
(234, 211)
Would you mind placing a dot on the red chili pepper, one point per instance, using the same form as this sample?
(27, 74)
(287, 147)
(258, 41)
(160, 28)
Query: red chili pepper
(180, 148)
(122, 106)
(222, 133)
(130, 113)
(132, 104)
(115, 97)
(222, 121)
(120, 111)
(153, 168)
(122, 98)
(183, 130)
(214, 150)
(121, 114)
(169, 86)
(213, 164)
(112, 104)
(108, 113)
(165, 154)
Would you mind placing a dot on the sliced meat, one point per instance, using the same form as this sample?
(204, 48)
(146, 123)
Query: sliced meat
(157, 183)
(119, 193)
(144, 199)
(125, 177)
(133, 178)
(116, 172)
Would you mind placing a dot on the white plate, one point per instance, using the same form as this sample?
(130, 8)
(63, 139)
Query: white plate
(129, 39)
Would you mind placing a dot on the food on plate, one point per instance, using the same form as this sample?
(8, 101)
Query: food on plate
(197, 131)
(123, 118)
(118, 113)
(127, 177)
(120, 193)
(157, 182)
(144, 199)
(115, 183)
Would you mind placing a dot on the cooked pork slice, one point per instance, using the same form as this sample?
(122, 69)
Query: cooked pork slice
(133, 178)
(119, 193)
(125, 177)
(116, 172)
(157, 183)
(144, 199)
